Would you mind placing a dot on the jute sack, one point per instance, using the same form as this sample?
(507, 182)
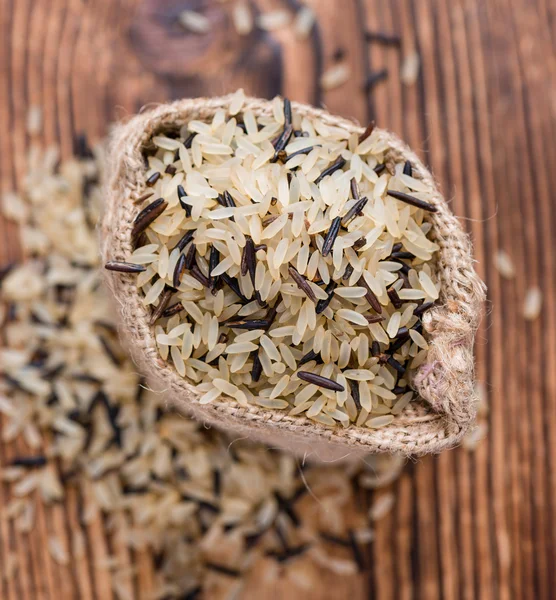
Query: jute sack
(445, 382)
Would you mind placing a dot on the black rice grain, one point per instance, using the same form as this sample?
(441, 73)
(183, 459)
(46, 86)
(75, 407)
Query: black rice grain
(281, 141)
(367, 132)
(374, 319)
(354, 211)
(248, 324)
(402, 197)
(271, 315)
(29, 461)
(356, 551)
(398, 255)
(371, 297)
(143, 197)
(186, 238)
(302, 283)
(222, 569)
(396, 365)
(109, 351)
(298, 152)
(216, 482)
(358, 244)
(395, 346)
(337, 164)
(173, 310)
(386, 39)
(190, 257)
(189, 140)
(286, 506)
(311, 355)
(200, 276)
(181, 195)
(395, 299)
(178, 271)
(333, 539)
(192, 594)
(322, 305)
(163, 302)
(354, 390)
(257, 367)
(229, 201)
(375, 78)
(124, 267)
(287, 112)
(331, 236)
(423, 308)
(324, 382)
(147, 216)
(233, 284)
(214, 259)
(290, 553)
(153, 179)
(347, 272)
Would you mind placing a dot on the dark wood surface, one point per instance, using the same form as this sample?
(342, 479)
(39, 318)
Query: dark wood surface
(482, 114)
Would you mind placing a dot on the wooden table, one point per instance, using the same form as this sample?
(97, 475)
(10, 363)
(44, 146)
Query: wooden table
(482, 114)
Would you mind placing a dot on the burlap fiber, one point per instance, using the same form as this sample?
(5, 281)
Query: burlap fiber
(445, 382)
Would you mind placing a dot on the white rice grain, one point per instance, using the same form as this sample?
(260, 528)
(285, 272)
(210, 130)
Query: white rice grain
(410, 68)
(304, 22)
(532, 305)
(242, 18)
(194, 21)
(335, 76)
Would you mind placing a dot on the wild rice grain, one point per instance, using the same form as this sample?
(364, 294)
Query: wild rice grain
(184, 205)
(386, 39)
(124, 267)
(147, 216)
(532, 305)
(337, 164)
(375, 78)
(302, 283)
(403, 197)
(178, 271)
(153, 179)
(320, 381)
(331, 236)
(368, 130)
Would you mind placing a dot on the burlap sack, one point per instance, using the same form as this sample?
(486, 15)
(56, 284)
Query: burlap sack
(445, 382)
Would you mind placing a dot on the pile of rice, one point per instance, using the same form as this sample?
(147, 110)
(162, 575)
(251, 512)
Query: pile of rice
(210, 511)
(287, 263)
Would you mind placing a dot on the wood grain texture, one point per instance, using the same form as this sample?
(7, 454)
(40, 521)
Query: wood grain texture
(482, 114)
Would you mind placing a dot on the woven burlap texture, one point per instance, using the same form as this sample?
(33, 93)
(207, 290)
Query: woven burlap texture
(445, 382)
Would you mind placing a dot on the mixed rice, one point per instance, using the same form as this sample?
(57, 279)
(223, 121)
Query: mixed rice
(210, 511)
(287, 264)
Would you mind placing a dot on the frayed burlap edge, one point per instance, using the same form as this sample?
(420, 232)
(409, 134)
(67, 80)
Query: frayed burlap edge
(445, 383)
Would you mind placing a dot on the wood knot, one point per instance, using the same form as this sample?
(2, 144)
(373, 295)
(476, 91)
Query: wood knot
(207, 63)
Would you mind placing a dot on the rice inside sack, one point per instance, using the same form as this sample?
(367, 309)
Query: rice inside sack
(285, 272)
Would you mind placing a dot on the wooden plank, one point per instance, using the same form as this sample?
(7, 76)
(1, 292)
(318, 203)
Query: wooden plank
(465, 526)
